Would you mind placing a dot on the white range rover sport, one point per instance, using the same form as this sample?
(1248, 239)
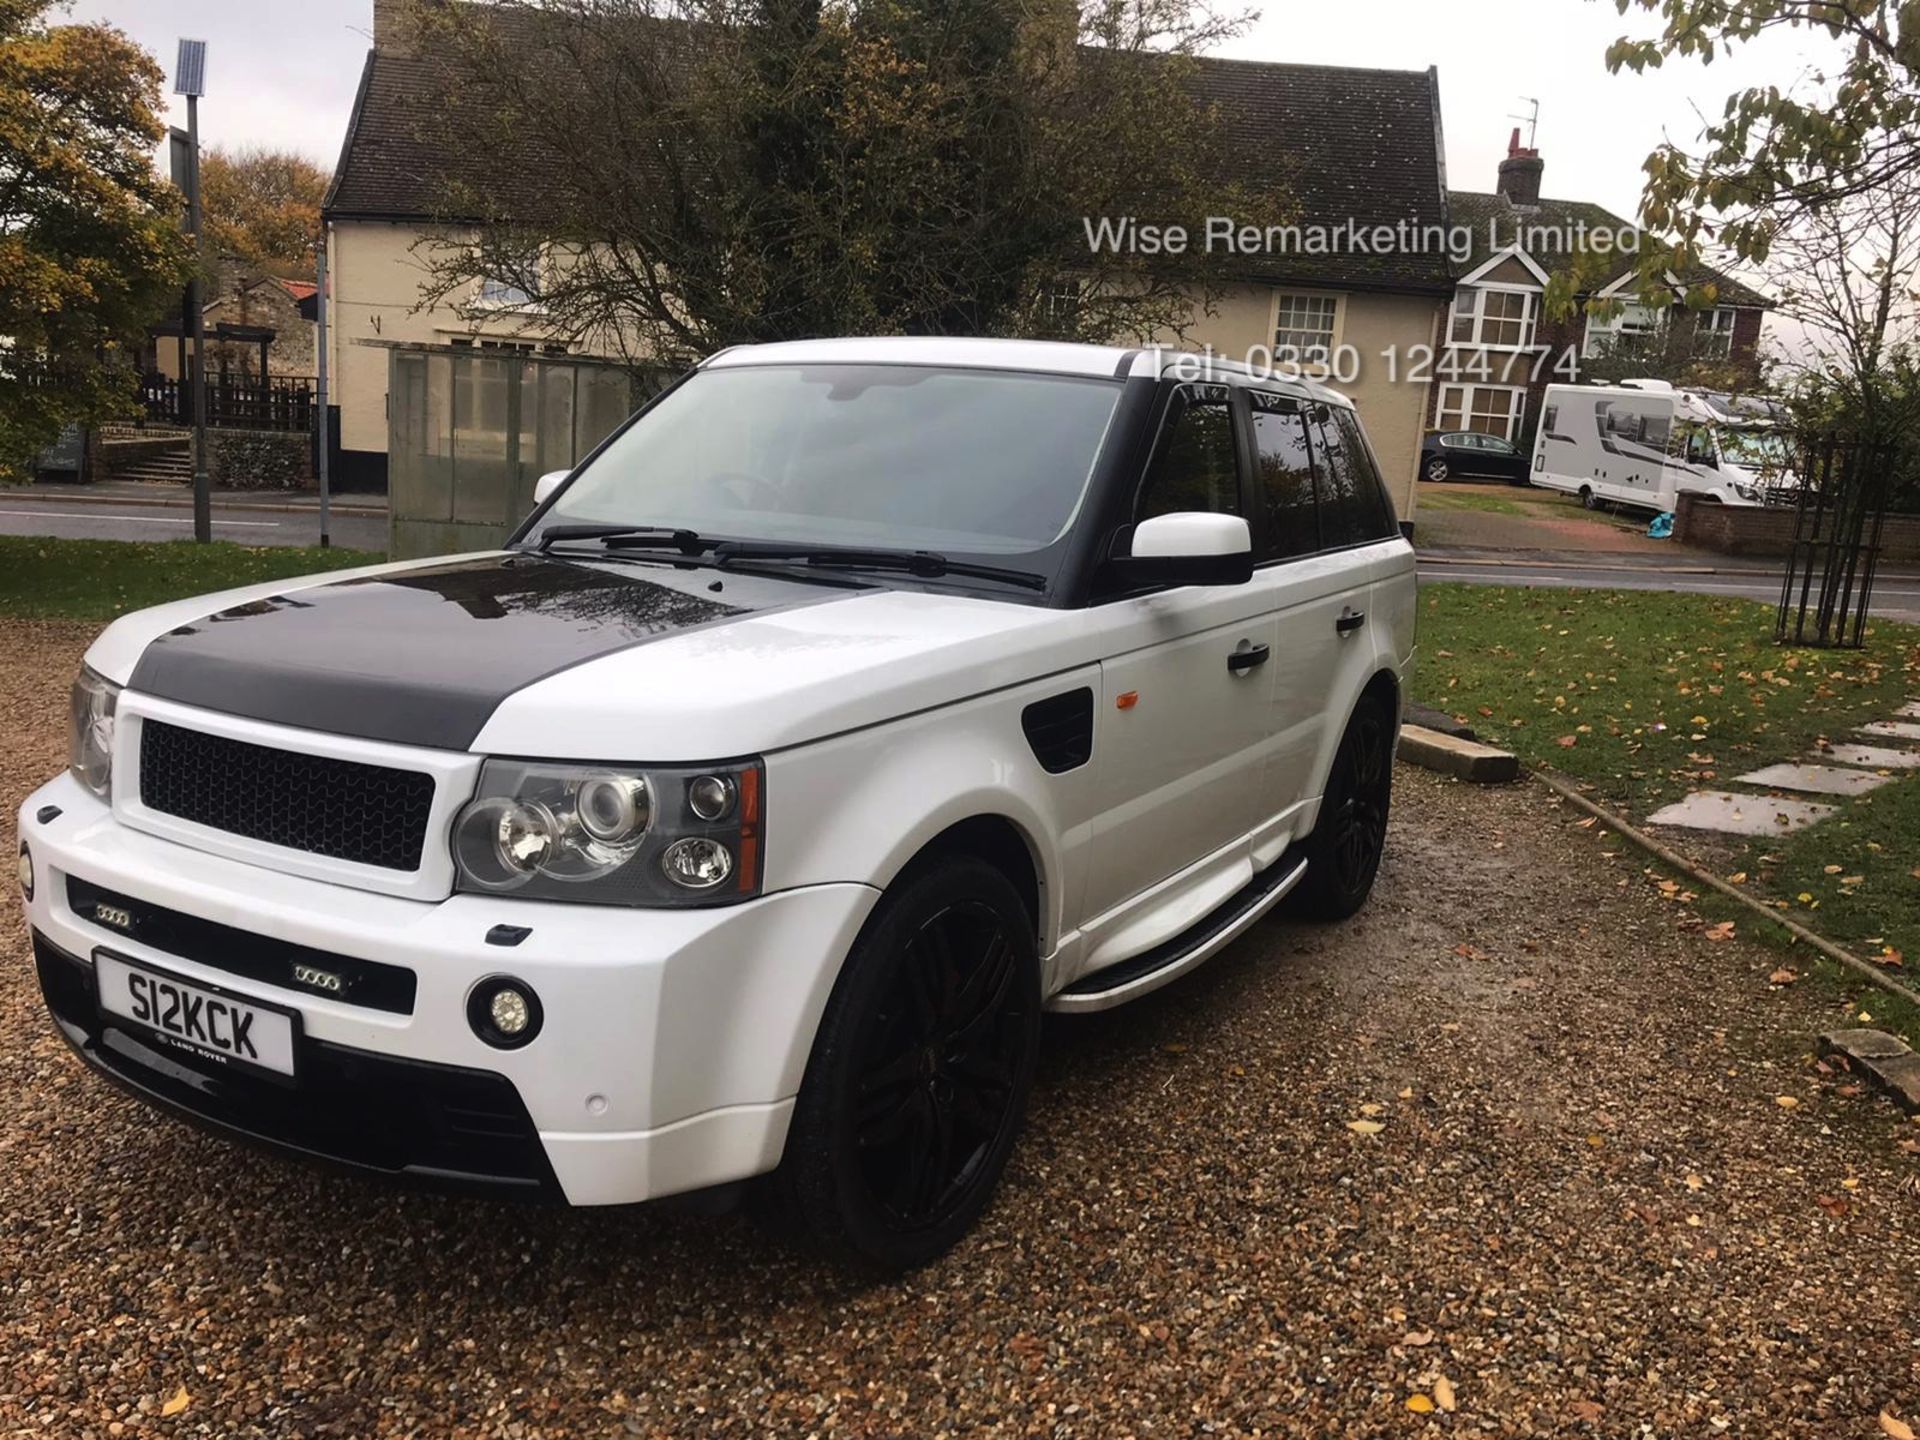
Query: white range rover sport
(853, 704)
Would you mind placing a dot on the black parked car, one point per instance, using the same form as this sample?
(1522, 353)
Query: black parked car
(1456, 454)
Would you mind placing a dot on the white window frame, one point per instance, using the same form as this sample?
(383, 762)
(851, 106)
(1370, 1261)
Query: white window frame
(1713, 331)
(1305, 358)
(490, 293)
(1475, 312)
(1458, 405)
(1635, 319)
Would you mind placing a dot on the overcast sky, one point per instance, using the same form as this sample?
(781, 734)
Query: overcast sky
(282, 73)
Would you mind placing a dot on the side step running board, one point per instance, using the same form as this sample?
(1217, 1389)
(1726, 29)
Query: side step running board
(1199, 942)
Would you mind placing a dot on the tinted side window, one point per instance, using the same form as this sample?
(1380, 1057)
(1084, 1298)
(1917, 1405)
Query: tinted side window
(1284, 488)
(1194, 465)
(1375, 504)
(1352, 504)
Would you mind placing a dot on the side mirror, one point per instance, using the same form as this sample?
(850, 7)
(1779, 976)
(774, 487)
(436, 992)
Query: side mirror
(544, 487)
(1193, 548)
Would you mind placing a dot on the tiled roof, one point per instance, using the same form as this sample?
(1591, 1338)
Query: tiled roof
(1346, 143)
(1494, 218)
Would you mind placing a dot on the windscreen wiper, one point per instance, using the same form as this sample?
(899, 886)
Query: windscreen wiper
(925, 564)
(687, 542)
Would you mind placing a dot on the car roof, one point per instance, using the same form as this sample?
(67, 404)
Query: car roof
(1044, 357)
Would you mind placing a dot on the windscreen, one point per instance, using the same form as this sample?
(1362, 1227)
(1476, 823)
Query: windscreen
(901, 456)
(1754, 449)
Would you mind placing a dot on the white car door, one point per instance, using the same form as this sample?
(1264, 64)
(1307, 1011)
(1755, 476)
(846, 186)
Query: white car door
(1183, 736)
(1314, 569)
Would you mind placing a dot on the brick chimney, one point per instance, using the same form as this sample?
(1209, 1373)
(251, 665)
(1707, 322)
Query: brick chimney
(1519, 172)
(394, 28)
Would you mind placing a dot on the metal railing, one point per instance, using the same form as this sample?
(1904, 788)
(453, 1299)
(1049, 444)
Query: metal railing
(281, 402)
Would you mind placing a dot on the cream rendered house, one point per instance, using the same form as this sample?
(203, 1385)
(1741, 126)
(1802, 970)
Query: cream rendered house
(1358, 149)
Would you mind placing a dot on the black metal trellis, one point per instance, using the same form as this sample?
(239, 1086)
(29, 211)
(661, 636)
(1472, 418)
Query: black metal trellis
(1827, 590)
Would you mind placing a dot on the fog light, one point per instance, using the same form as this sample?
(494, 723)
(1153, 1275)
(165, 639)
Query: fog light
(25, 872)
(504, 1012)
(509, 1011)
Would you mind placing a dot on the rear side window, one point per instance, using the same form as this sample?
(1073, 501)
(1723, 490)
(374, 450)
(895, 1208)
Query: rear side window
(1194, 464)
(1284, 485)
(1353, 504)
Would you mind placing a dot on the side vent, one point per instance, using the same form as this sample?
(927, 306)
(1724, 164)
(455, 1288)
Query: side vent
(1060, 730)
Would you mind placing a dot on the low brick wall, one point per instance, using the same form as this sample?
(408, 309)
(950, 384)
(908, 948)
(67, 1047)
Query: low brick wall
(1751, 530)
(260, 459)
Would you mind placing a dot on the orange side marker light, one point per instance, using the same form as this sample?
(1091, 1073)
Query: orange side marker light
(1127, 699)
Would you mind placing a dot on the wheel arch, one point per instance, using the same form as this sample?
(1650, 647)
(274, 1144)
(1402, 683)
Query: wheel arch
(1382, 683)
(1003, 844)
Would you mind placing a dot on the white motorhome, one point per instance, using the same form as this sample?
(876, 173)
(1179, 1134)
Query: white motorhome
(1645, 443)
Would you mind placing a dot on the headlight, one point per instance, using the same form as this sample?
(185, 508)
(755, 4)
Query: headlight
(1745, 491)
(613, 834)
(90, 738)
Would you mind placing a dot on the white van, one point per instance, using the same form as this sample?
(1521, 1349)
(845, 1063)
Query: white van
(1644, 443)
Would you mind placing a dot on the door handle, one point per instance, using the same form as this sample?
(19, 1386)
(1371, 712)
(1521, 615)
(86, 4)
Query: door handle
(1350, 621)
(1241, 661)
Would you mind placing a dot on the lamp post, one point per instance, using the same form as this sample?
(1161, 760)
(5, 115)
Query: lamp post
(321, 417)
(189, 79)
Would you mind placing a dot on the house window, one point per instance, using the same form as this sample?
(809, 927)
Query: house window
(1489, 409)
(1498, 319)
(1634, 322)
(1713, 333)
(1303, 329)
(498, 292)
(503, 293)
(1060, 302)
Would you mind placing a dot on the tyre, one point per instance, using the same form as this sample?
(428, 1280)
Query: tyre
(919, 1075)
(1437, 469)
(1343, 852)
(1588, 499)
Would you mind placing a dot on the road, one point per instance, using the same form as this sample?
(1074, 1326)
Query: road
(245, 525)
(1895, 597)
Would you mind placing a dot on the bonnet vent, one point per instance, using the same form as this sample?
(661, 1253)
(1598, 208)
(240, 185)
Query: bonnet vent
(1060, 730)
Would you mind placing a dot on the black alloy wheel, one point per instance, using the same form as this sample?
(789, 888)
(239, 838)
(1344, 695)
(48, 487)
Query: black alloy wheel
(940, 1065)
(918, 1080)
(1350, 836)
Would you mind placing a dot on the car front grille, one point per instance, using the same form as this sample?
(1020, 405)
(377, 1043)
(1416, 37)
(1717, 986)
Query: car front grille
(367, 814)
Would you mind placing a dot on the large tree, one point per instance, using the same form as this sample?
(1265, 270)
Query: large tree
(264, 206)
(1849, 127)
(90, 251)
(675, 176)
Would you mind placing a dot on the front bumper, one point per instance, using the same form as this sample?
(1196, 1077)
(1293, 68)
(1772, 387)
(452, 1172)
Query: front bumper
(672, 1046)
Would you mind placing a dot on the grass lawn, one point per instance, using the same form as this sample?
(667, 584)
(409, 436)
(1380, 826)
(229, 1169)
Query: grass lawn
(42, 578)
(1646, 696)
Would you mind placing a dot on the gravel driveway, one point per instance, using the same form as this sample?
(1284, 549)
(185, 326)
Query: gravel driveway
(1584, 1211)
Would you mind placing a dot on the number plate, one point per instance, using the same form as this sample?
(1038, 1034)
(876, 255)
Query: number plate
(204, 1019)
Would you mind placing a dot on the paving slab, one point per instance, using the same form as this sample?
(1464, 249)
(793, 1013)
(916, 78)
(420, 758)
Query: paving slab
(1897, 729)
(1814, 779)
(1741, 814)
(1871, 757)
(1910, 710)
